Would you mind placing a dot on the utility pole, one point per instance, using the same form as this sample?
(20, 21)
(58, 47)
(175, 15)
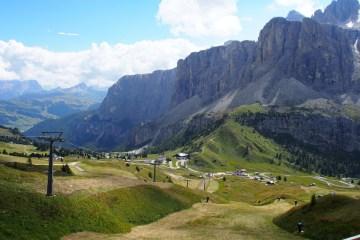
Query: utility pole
(187, 182)
(155, 163)
(51, 137)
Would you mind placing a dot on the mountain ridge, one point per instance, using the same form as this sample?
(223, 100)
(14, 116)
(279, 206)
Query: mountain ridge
(15, 88)
(291, 63)
(34, 105)
(342, 13)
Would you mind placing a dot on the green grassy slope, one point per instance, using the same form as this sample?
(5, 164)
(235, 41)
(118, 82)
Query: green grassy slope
(332, 217)
(26, 214)
(257, 193)
(6, 132)
(21, 148)
(234, 146)
(245, 109)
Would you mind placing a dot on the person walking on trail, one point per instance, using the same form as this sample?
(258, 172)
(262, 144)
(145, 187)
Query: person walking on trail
(300, 226)
(207, 199)
(296, 203)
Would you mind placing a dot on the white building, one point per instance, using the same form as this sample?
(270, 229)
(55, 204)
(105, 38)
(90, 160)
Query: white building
(182, 156)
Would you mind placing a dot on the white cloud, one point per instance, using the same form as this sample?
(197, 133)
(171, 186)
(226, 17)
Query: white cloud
(68, 34)
(200, 18)
(101, 65)
(5, 72)
(306, 7)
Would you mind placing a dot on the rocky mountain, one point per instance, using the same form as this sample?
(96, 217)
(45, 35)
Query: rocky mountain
(132, 101)
(295, 16)
(211, 74)
(16, 88)
(343, 13)
(292, 62)
(139, 98)
(36, 105)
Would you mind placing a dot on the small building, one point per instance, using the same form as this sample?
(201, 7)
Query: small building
(270, 182)
(241, 173)
(182, 156)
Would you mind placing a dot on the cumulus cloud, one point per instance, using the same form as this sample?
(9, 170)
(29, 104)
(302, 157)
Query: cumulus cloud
(306, 7)
(200, 18)
(101, 65)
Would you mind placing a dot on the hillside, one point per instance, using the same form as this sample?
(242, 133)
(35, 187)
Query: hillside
(331, 217)
(12, 135)
(112, 196)
(26, 110)
(275, 138)
(28, 214)
(233, 146)
(110, 212)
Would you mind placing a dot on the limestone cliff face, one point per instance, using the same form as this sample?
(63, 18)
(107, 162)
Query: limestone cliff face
(212, 73)
(139, 98)
(291, 63)
(319, 56)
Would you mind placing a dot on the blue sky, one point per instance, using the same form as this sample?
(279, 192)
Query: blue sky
(38, 22)
(64, 42)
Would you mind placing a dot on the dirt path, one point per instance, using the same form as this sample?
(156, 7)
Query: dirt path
(208, 221)
(68, 186)
(76, 165)
(345, 184)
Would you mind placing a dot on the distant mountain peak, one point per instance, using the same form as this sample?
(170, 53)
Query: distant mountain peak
(80, 85)
(15, 88)
(295, 16)
(344, 13)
